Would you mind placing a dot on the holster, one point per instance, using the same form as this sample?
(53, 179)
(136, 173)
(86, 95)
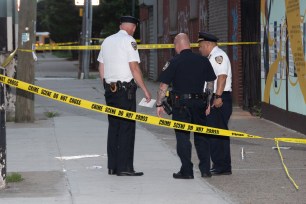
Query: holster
(168, 102)
(113, 87)
(167, 107)
(130, 87)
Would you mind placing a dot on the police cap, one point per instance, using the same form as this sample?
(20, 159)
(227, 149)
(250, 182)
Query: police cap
(129, 19)
(204, 36)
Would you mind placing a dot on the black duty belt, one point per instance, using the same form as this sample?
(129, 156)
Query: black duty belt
(190, 96)
(118, 85)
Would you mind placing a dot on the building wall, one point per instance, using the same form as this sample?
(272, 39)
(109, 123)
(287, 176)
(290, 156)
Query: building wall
(192, 16)
(235, 51)
(283, 81)
(283, 71)
(218, 20)
(164, 37)
(250, 32)
(148, 32)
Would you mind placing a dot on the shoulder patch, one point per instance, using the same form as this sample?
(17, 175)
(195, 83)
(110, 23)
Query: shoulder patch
(166, 66)
(134, 45)
(219, 59)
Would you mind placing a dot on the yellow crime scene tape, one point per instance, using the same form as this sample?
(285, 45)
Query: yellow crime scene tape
(66, 47)
(153, 120)
(285, 167)
(63, 46)
(58, 44)
(148, 119)
(48, 46)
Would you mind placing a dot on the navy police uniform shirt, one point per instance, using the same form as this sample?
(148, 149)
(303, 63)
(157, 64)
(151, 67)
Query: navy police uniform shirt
(187, 72)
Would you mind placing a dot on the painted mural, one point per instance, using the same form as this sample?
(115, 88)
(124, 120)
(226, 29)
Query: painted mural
(283, 54)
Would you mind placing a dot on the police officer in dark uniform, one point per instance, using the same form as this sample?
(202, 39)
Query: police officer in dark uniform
(187, 72)
(221, 108)
(119, 71)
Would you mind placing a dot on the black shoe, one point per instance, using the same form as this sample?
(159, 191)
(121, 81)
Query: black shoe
(129, 173)
(219, 173)
(112, 171)
(206, 175)
(179, 175)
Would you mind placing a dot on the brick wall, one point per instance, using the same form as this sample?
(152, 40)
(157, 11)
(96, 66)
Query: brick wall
(220, 17)
(235, 52)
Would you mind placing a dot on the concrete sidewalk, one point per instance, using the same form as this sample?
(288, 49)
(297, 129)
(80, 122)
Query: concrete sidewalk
(64, 159)
(35, 151)
(32, 151)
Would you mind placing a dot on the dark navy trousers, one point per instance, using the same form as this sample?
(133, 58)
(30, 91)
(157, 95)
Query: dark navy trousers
(220, 145)
(191, 111)
(121, 132)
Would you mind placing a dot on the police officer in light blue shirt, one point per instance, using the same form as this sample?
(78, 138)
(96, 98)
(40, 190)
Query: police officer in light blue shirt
(120, 73)
(218, 114)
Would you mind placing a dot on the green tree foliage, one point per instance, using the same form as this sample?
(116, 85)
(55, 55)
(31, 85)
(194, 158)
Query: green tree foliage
(61, 18)
(106, 16)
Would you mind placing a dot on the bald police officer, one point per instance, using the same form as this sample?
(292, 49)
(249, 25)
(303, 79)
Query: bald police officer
(221, 109)
(187, 72)
(119, 69)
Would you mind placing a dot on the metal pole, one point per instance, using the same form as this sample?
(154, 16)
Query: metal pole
(2, 136)
(83, 40)
(86, 34)
(89, 28)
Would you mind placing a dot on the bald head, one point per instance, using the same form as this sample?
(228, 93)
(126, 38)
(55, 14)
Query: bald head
(181, 42)
(128, 27)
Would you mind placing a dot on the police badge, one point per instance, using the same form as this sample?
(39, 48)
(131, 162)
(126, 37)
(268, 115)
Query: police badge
(166, 66)
(219, 59)
(134, 45)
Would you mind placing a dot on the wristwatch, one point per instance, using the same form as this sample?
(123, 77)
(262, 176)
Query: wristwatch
(158, 105)
(217, 96)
